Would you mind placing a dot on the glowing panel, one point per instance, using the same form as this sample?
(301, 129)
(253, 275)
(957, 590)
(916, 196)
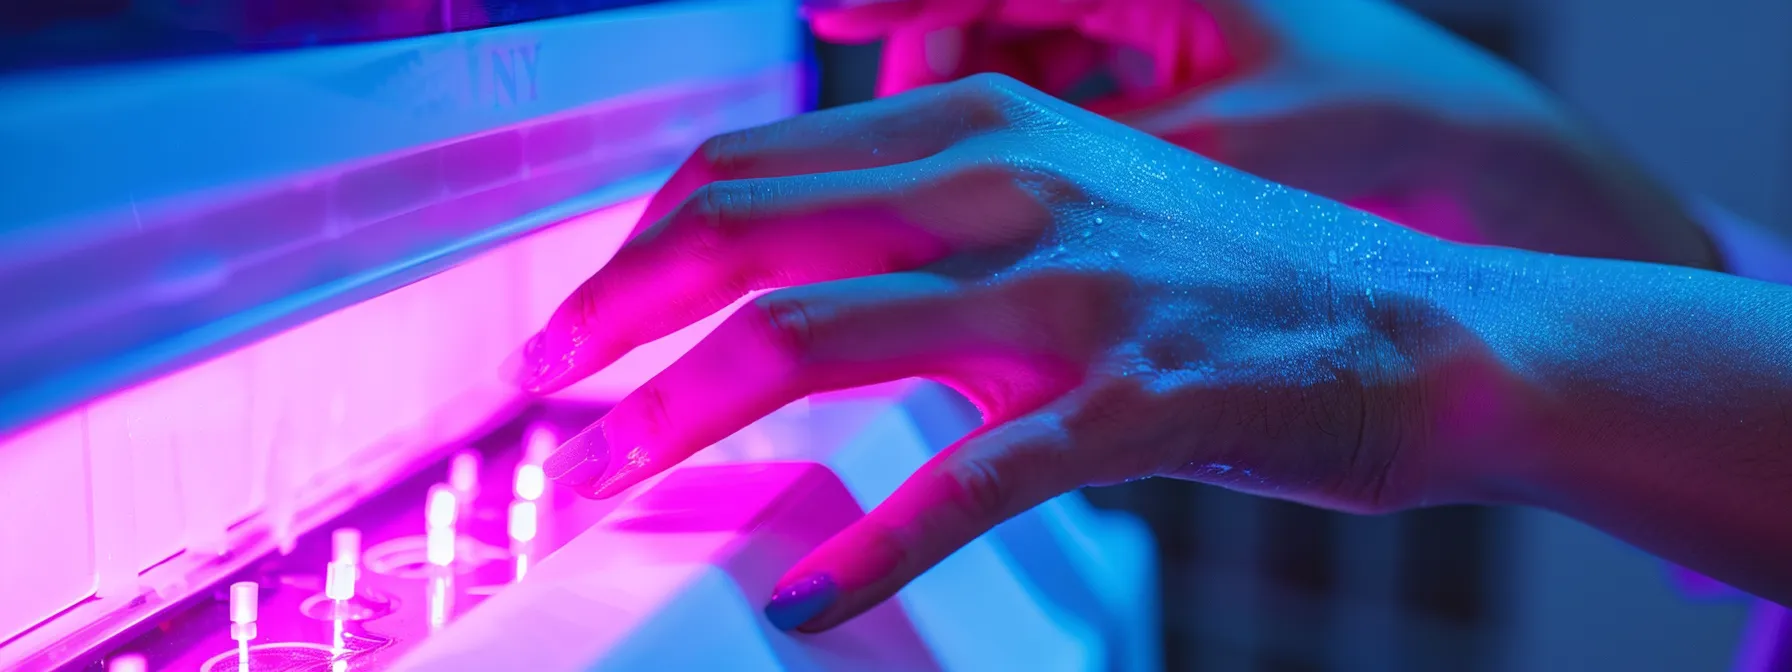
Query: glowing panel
(47, 530)
(127, 480)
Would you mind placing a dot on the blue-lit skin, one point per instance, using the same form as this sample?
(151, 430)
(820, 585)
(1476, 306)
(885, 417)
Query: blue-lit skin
(1122, 308)
(1355, 100)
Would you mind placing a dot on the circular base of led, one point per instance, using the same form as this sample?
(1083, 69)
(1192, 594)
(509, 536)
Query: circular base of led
(274, 657)
(366, 605)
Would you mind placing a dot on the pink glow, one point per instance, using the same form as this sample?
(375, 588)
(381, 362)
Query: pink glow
(128, 480)
(522, 522)
(443, 507)
(530, 482)
(674, 555)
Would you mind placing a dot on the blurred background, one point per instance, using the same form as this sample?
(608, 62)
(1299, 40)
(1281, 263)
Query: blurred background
(1699, 93)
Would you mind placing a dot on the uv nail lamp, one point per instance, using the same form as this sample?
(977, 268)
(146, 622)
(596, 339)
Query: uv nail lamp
(253, 307)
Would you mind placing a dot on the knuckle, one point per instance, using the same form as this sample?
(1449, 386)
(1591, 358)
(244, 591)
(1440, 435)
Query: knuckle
(652, 411)
(719, 155)
(987, 101)
(789, 326)
(1112, 407)
(719, 211)
(1032, 178)
(995, 84)
(587, 302)
(980, 490)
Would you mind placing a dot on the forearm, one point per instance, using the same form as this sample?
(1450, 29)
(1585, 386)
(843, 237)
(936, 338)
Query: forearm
(1652, 402)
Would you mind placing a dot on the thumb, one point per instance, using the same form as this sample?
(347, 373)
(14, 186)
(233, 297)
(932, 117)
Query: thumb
(957, 496)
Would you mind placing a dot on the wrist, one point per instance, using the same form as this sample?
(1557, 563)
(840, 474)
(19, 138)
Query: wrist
(1568, 380)
(1482, 405)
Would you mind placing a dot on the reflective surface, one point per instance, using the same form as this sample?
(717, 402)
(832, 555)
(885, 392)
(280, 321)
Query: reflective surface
(399, 596)
(52, 34)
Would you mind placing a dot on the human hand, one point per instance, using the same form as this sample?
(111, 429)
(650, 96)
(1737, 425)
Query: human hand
(1355, 100)
(1118, 308)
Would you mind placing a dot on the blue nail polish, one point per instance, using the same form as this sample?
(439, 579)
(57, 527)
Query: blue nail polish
(801, 601)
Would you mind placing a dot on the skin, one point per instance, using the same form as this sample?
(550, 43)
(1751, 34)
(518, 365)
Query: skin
(1356, 100)
(1120, 307)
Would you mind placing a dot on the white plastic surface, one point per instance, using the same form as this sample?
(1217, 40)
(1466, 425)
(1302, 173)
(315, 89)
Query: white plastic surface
(625, 597)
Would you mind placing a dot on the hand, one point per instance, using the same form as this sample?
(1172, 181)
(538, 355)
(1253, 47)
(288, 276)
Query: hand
(1355, 100)
(1117, 307)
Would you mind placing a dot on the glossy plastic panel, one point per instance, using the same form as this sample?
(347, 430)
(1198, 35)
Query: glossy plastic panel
(688, 559)
(159, 214)
(1062, 587)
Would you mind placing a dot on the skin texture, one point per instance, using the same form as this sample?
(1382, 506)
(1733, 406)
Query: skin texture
(1116, 306)
(1120, 308)
(1356, 100)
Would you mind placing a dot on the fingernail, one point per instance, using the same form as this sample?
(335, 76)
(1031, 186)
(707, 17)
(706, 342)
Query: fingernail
(532, 367)
(579, 461)
(518, 368)
(801, 601)
(523, 364)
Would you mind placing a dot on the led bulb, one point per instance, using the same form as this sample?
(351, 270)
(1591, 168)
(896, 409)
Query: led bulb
(522, 521)
(345, 546)
(463, 473)
(244, 599)
(530, 481)
(339, 581)
(129, 662)
(541, 443)
(442, 508)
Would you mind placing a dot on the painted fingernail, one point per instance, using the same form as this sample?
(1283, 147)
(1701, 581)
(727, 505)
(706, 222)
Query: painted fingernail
(579, 461)
(538, 364)
(523, 365)
(518, 368)
(801, 601)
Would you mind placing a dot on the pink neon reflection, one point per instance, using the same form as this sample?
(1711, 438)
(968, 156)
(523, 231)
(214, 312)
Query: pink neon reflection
(264, 427)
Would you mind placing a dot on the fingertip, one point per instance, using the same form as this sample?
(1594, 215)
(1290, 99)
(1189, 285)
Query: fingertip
(850, 573)
(517, 369)
(579, 462)
(797, 603)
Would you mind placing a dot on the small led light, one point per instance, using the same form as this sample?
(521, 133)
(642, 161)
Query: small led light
(522, 521)
(244, 596)
(440, 598)
(439, 546)
(339, 581)
(530, 481)
(129, 662)
(463, 474)
(442, 509)
(540, 444)
(345, 546)
(439, 515)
